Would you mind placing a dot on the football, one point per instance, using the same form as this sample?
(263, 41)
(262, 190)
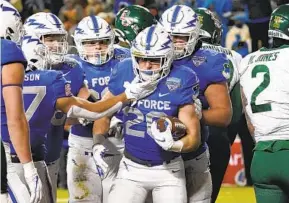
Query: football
(178, 129)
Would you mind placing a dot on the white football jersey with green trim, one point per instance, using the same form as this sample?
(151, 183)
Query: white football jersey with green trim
(264, 77)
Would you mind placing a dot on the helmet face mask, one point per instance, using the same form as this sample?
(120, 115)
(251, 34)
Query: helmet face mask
(51, 32)
(181, 22)
(152, 54)
(95, 51)
(94, 40)
(184, 44)
(57, 47)
(151, 68)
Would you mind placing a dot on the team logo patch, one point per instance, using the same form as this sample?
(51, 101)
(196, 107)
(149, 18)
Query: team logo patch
(226, 71)
(198, 60)
(201, 20)
(120, 57)
(276, 22)
(68, 89)
(173, 83)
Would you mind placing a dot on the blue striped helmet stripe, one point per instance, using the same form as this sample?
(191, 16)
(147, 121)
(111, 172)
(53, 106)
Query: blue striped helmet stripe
(149, 37)
(95, 24)
(175, 15)
(57, 22)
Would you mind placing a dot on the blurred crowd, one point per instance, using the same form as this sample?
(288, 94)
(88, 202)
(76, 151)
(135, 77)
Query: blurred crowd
(245, 22)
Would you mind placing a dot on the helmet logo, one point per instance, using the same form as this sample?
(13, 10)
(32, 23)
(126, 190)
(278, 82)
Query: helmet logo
(201, 20)
(125, 20)
(276, 22)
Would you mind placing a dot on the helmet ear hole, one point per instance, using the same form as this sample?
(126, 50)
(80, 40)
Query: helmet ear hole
(33, 60)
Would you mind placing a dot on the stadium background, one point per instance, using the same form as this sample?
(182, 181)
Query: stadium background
(244, 30)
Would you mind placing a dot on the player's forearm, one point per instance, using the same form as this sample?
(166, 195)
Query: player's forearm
(19, 135)
(100, 127)
(220, 117)
(101, 105)
(192, 140)
(16, 121)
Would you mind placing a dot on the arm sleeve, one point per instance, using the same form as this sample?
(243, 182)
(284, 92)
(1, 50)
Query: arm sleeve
(11, 53)
(190, 91)
(115, 85)
(62, 88)
(219, 70)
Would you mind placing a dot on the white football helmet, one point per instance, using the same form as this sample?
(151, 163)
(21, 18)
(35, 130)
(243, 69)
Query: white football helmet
(93, 29)
(46, 24)
(182, 21)
(11, 27)
(35, 53)
(153, 43)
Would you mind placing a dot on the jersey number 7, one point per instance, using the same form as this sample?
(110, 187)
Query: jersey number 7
(40, 92)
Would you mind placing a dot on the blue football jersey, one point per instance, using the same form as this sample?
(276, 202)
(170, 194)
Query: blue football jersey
(10, 53)
(210, 67)
(177, 89)
(97, 77)
(73, 73)
(41, 89)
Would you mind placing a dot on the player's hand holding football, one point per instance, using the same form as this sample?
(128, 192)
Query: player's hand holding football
(137, 90)
(163, 139)
(33, 181)
(98, 155)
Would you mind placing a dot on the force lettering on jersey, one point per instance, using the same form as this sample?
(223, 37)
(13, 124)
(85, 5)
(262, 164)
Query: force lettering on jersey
(153, 104)
(32, 77)
(100, 81)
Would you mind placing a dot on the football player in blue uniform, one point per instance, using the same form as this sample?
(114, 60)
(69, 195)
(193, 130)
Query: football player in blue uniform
(213, 71)
(54, 36)
(13, 121)
(218, 142)
(152, 161)
(46, 90)
(94, 39)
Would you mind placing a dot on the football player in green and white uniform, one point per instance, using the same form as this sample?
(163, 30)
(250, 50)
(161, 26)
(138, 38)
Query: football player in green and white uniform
(265, 96)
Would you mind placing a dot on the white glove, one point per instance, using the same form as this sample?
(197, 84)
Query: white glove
(138, 90)
(163, 139)
(198, 108)
(98, 154)
(33, 181)
(84, 121)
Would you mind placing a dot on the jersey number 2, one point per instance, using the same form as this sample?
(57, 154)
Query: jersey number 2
(257, 108)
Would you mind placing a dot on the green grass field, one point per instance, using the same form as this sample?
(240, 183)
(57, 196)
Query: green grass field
(227, 195)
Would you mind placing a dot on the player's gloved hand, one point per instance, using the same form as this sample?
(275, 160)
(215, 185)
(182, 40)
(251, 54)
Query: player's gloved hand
(163, 139)
(98, 155)
(84, 121)
(116, 128)
(33, 181)
(198, 108)
(137, 90)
